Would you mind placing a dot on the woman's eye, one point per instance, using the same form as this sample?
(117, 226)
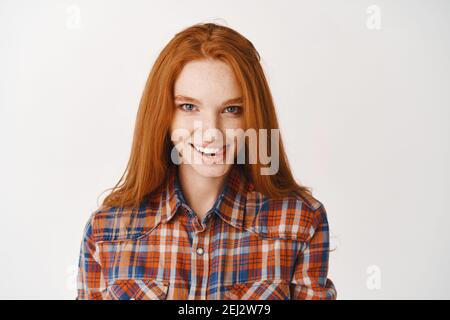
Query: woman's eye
(187, 106)
(233, 109)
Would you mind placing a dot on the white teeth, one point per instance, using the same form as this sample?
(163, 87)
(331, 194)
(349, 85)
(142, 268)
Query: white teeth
(207, 150)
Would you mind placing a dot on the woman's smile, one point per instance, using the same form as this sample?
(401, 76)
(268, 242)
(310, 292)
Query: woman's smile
(210, 155)
(210, 151)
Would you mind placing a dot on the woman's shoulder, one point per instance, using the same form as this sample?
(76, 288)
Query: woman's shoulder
(117, 223)
(293, 217)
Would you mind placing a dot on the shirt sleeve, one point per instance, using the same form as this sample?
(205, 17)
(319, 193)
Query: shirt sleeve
(89, 278)
(309, 280)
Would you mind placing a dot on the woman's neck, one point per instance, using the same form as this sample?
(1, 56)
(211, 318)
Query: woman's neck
(199, 192)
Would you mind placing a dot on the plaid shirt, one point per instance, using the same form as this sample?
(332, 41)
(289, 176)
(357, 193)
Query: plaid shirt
(246, 247)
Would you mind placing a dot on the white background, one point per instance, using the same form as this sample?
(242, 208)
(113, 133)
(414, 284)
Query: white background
(364, 112)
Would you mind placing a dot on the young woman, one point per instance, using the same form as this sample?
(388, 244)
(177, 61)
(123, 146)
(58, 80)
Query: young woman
(192, 217)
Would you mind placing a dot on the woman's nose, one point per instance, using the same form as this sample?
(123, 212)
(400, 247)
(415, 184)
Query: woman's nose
(211, 122)
(210, 129)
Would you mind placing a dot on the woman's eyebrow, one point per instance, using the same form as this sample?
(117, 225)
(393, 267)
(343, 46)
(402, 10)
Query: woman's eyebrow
(193, 100)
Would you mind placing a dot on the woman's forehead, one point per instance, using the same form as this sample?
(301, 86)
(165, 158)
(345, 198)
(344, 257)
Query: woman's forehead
(207, 82)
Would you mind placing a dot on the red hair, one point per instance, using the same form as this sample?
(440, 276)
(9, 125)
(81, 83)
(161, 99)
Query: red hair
(150, 160)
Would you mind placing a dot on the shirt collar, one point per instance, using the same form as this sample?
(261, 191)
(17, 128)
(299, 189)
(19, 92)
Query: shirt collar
(229, 205)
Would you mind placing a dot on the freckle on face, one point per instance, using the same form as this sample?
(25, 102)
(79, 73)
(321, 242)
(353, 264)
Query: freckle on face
(211, 82)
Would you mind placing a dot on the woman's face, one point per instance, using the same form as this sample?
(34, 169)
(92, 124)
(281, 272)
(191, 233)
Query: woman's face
(208, 101)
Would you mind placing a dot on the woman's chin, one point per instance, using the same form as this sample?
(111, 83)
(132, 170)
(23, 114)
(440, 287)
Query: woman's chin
(211, 171)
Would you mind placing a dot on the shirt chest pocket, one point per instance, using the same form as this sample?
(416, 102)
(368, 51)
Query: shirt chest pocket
(137, 289)
(259, 290)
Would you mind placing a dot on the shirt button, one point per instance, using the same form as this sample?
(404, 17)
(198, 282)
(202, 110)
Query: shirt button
(200, 251)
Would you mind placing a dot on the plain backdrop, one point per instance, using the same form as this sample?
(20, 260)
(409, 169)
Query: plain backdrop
(362, 90)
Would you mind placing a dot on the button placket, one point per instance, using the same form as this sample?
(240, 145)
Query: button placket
(199, 265)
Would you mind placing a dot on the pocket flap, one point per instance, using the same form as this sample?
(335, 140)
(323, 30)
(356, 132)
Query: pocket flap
(138, 289)
(259, 290)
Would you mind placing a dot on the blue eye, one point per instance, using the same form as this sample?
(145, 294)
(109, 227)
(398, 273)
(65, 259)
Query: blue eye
(187, 106)
(233, 109)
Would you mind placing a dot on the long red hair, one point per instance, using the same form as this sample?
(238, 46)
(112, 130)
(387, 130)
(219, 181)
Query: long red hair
(150, 160)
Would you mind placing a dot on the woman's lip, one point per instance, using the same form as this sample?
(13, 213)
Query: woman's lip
(215, 154)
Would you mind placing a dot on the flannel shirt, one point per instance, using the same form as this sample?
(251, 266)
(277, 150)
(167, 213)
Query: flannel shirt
(247, 246)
